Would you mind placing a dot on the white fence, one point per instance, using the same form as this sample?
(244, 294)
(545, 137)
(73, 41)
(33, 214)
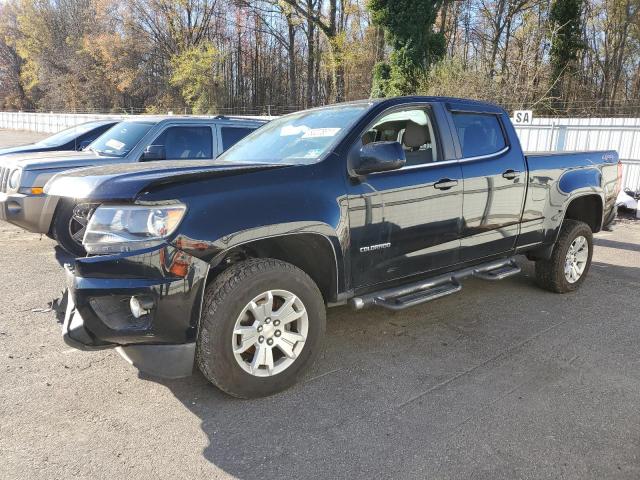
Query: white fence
(54, 122)
(48, 122)
(570, 134)
(544, 134)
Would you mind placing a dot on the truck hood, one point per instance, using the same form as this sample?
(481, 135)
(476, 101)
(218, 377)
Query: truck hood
(126, 181)
(62, 159)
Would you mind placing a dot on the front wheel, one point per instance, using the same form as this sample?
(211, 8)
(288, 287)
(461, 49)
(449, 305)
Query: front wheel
(570, 261)
(262, 326)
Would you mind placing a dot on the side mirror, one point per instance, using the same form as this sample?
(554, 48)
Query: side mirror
(84, 144)
(153, 152)
(379, 157)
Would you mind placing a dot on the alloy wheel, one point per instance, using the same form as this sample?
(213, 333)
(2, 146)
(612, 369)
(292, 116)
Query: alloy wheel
(576, 259)
(270, 333)
(78, 222)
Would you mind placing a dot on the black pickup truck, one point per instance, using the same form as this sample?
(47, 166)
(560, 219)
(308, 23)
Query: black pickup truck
(389, 203)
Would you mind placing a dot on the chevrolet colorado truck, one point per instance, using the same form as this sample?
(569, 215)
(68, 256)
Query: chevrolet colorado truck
(388, 203)
(145, 139)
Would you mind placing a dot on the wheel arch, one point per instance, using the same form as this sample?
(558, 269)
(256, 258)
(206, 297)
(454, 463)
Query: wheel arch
(587, 208)
(318, 255)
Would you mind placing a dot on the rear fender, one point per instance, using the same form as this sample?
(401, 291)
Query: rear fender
(579, 184)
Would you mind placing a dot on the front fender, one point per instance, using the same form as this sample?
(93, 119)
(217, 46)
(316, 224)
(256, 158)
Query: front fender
(225, 213)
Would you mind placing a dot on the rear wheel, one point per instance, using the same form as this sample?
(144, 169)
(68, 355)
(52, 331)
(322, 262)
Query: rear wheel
(570, 261)
(262, 326)
(69, 226)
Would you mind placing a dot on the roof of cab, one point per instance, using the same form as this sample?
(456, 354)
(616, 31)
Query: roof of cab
(453, 103)
(191, 118)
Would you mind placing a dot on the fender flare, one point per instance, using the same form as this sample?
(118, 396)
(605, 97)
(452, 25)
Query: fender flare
(267, 232)
(576, 196)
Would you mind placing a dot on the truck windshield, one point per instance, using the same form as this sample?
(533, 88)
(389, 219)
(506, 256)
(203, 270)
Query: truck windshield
(120, 139)
(297, 139)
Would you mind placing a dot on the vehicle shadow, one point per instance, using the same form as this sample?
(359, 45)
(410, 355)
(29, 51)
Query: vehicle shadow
(62, 257)
(603, 242)
(373, 405)
(307, 431)
(59, 304)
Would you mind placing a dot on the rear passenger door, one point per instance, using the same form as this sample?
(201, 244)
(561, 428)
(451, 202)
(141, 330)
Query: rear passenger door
(494, 175)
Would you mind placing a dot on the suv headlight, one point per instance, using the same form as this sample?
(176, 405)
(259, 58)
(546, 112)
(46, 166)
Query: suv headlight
(14, 179)
(122, 228)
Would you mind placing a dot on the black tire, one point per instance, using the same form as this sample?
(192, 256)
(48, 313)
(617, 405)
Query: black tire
(550, 274)
(62, 226)
(224, 300)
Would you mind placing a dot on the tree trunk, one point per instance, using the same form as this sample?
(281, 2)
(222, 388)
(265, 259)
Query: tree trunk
(311, 52)
(338, 72)
(291, 51)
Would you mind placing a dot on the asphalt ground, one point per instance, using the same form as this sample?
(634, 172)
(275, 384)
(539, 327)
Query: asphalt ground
(500, 381)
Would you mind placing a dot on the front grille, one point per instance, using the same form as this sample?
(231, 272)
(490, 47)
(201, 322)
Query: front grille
(4, 179)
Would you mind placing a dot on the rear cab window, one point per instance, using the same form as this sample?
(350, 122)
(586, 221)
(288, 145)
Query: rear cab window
(480, 134)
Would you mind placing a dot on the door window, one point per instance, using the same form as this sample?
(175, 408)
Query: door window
(479, 134)
(185, 143)
(232, 135)
(412, 129)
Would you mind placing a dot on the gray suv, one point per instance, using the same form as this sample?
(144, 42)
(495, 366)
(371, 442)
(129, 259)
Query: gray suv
(22, 177)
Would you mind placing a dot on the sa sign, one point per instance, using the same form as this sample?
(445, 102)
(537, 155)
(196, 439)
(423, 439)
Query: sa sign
(523, 117)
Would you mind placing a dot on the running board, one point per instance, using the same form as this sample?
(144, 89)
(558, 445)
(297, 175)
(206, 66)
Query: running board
(413, 294)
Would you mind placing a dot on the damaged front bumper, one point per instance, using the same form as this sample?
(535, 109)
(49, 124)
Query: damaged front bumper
(104, 307)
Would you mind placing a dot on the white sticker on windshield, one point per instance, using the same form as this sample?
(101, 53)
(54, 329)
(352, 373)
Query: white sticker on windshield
(290, 130)
(113, 143)
(315, 153)
(321, 132)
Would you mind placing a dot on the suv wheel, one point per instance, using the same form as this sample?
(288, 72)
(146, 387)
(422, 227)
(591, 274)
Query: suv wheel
(570, 261)
(262, 326)
(70, 224)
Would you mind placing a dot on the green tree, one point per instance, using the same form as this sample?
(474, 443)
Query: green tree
(408, 26)
(193, 72)
(381, 77)
(567, 39)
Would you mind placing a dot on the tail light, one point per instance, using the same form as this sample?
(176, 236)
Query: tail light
(619, 182)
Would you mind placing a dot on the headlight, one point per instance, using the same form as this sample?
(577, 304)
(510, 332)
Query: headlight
(113, 229)
(14, 179)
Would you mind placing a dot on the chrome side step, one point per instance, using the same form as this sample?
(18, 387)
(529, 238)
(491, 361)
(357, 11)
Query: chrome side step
(413, 294)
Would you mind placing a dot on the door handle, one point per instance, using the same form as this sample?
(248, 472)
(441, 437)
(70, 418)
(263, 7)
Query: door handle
(445, 184)
(510, 174)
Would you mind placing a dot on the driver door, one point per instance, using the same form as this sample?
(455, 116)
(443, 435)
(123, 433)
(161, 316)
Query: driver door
(407, 221)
